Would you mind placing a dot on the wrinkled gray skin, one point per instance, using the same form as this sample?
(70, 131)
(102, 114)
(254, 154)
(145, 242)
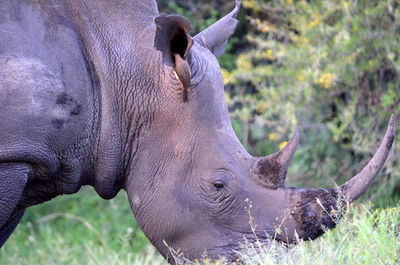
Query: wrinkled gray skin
(90, 95)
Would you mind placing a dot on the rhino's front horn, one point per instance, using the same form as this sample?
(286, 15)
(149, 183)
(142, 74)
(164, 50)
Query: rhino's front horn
(315, 210)
(356, 186)
(270, 171)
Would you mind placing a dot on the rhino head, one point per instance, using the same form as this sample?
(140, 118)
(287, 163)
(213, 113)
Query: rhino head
(192, 186)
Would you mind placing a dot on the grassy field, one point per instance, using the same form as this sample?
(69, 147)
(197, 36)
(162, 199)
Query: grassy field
(84, 229)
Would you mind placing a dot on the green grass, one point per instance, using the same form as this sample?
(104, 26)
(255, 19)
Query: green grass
(84, 229)
(363, 236)
(77, 229)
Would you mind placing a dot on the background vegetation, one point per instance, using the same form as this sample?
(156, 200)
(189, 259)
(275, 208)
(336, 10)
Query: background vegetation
(329, 69)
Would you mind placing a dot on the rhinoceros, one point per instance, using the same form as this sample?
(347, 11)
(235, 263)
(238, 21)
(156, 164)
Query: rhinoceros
(114, 95)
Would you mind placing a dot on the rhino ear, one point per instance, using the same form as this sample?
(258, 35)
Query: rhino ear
(215, 37)
(174, 42)
(172, 37)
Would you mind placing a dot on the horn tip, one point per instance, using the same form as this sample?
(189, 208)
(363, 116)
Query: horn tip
(356, 186)
(392, 121)
(390, 132)
(295, 138)
(237, 8)
(296, 134)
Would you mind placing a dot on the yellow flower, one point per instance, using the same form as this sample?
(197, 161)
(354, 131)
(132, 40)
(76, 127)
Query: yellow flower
(227, 77)
(289, 2)
(314, 23)
(346, 5)
(300, 77)
(273, 136)
(249, 3)
(326, 80)
(269, 54)
(300, 40)
(261, 107)
(228, 98)
(371, 65)
(264, 26)
(243, 62)
(282, 144)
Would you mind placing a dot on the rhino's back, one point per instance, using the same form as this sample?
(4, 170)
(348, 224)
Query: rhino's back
(47, 105)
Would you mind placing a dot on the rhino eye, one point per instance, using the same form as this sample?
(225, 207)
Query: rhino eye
(218, 185)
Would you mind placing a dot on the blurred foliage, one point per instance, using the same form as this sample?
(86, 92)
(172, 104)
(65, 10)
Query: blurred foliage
(329, 69)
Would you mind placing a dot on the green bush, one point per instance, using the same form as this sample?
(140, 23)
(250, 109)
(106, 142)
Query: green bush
(329, 69)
